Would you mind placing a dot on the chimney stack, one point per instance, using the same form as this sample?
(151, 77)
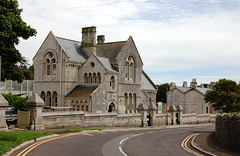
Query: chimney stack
(89, 40)
(185, 84)
(172, 85)
(193, 83)
(100, 39)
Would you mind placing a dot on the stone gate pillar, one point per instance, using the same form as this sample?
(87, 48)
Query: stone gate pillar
(173, 111)
(180, 112)
(35, 105)
(3, 107)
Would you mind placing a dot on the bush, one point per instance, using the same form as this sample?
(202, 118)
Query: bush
(18, 102)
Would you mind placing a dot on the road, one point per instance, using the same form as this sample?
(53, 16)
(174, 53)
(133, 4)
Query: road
(118, 142)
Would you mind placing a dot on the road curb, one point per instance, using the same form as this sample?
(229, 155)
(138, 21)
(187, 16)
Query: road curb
(29, 142)
(199, 149)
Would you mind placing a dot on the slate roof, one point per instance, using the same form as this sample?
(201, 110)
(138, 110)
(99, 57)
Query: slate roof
(187, 89)
(147, 83)
(74, 49)
(110, 50)
(105, 62)
(82, 91)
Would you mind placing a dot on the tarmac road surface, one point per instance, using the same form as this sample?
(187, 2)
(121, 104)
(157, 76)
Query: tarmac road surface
(117, 142)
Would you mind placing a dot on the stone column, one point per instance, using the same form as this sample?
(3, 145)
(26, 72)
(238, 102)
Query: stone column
(3, 107)
(180, 112)
(35, 105)
(173, 110)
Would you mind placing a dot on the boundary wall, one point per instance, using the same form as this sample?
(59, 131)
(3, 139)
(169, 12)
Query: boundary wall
(228, 131)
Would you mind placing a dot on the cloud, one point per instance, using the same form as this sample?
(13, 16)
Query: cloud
(175, 38)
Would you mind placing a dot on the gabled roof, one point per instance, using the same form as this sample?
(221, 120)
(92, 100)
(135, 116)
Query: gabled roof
(82, 91)
(147, 83)
(110, 50)
(73, 48)
(184, 90)
(105, 62)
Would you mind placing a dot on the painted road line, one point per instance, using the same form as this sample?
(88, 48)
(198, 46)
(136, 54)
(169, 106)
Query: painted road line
(185, 147)
(30, 148)
(123, 140)
(120, 149)
(151, 132)
(137, 134)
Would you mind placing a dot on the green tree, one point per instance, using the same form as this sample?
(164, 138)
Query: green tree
(18, 102)
(27, 70)
(12, 27)
(224, 96)
(161, 92)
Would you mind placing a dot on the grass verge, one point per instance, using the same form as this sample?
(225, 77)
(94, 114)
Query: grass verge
(13, 139)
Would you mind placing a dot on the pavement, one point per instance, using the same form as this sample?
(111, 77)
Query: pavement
(206, 144)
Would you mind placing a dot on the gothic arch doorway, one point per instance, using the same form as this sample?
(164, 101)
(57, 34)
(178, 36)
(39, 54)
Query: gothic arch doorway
(111, 107)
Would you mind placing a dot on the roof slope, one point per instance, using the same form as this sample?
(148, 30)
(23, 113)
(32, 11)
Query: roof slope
(110, 50)
(187, 89)
(147, 83)
(81, 91)
(105, 62)
(74, 49)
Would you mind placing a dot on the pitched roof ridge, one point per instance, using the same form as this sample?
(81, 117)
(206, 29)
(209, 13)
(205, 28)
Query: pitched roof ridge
(68, 39)
(113, 42)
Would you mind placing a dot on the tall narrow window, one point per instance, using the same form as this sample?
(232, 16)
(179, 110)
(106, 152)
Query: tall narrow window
(43, 95)
(112, 82)
(48, 67)
(129, 68)
(126, 71)
(130, 102)
(126, 101)
(78, 107)
(130, 71)
(134, 102)
(85, 78)
(86, 106)
(73, 105)
(55, 98)
(54, 67)
(82, 106)
(49, 99)
(90, 78)
(94, 78)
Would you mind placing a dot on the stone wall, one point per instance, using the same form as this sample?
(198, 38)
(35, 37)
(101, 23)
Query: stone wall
(228, 131)
(79, 119)
(198, 119)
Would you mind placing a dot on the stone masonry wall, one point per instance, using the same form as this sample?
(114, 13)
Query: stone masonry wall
(228, 131)
(79, 119)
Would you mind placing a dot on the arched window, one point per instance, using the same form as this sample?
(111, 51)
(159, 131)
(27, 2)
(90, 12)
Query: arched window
(78, 107)
(99, 78)
(90, 79)
(53, 67)
(130, 102)
(94, 78)
(43, 95)
(129, 68)
(112, 82)
(86, 106)
(126, 101)
(48, 67)
(85, 78)
(82, 106)
(49, 99)
(55, 98)
(134, 102)
(73, 105)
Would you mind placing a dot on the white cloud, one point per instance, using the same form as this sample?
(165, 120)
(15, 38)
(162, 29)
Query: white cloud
(171, 36)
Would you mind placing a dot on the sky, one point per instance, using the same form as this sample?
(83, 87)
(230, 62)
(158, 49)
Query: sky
(178, 40)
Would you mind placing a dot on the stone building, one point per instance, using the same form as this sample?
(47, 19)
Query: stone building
(191, 99)
(92, 76)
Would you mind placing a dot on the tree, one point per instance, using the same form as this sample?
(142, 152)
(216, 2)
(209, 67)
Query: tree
(18, 102)
(28, 71)
(161, 92)
(224, 96)
(12, 27)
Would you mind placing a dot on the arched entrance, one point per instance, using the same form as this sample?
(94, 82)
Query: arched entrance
(111, 107)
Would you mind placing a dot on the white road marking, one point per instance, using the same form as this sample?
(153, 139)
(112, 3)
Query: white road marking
(120, 149)
(137, 134)
(151, 132)
(123, 140)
